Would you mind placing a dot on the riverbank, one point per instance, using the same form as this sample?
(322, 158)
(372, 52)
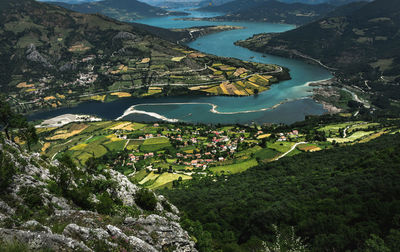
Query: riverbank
(65, 119)
(193, 33)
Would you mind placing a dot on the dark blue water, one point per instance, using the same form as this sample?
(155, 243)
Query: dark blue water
(293, 95)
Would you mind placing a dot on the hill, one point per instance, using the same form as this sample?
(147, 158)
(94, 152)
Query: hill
(52, 57)
(123, 10)
(55, 206)
(271, 11)
(333, 2)
(361, 41)
(342, 199)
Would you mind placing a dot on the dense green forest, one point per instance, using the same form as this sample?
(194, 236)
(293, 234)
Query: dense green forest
(342, 199)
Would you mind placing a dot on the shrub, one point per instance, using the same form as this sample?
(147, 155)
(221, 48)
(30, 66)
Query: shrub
(7, 171)
(105, 206)
(32, 196)
(146, 199)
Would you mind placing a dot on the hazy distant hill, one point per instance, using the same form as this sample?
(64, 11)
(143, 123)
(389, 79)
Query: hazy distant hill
(124, 10)
(361, 40)
(333, 2)
(271, 11)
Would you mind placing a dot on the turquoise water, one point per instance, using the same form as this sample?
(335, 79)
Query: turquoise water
(293, 95)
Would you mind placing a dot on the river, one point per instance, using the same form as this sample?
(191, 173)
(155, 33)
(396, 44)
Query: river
(286, 102)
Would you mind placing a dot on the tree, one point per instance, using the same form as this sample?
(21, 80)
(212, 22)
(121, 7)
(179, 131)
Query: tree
(376, 244)
(146, 199)
(65, 172)
(7, 171)
(6, 115)
(91, 165)
(28, 134)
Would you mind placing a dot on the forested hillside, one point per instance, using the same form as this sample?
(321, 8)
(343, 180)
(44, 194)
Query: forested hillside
(271, 11)
(343, 199)
(359, 42)
(52, 57)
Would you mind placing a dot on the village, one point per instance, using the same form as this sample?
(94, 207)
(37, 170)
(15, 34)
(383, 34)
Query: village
(157, 154)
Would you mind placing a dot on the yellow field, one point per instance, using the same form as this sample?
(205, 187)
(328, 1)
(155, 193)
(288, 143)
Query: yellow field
(45, 146)
(145, 60)
(152, 91)
(308, 148)
(48, 98)
(178, 59)
(227, 68)
(113, 138)
(60, 96)
(223, 88)
(240, 71)
(63, 134)
(78, 48)
(120, 126)
(266, 77)
(240, 83)
(345, 114)
(212, 90)
(24, 85)
(249, 91)
(166, 178)
(373, 136)
(121, 94)
(263, 136)
(98, 97)
(253, 84)
(150, 176)
(41, 130)
(79, 147)
(120, 68)
(197, 88)
(197, 55)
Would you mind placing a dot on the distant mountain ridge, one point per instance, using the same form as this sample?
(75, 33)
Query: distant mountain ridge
(271, 11)
(123, 10)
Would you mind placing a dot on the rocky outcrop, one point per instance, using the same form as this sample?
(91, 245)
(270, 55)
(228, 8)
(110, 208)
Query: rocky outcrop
(33, 55)
(124, 36)
(67, 228)
(40, 240)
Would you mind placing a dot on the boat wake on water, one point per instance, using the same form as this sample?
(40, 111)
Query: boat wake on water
(133, 109)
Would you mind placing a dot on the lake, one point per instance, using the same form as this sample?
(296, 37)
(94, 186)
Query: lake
(286, 102)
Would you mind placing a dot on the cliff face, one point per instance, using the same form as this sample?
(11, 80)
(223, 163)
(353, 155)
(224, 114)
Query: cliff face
(34, 214)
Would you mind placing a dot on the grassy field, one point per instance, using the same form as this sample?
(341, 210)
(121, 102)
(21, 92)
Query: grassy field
(247, 153)
(235, 168)
(355, 136)
(155, 144)
(266, 154)
(151, 176)
(280, 146)
(166, 178)
(334, 128)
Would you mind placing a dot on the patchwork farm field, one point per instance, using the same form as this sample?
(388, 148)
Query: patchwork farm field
(165, 155)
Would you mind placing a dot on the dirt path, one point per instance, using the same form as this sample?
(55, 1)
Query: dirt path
(291, 149)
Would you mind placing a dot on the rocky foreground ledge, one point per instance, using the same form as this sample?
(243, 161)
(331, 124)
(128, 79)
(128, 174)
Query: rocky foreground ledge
(63, 226)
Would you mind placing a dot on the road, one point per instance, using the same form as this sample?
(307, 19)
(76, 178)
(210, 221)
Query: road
(291, 149)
